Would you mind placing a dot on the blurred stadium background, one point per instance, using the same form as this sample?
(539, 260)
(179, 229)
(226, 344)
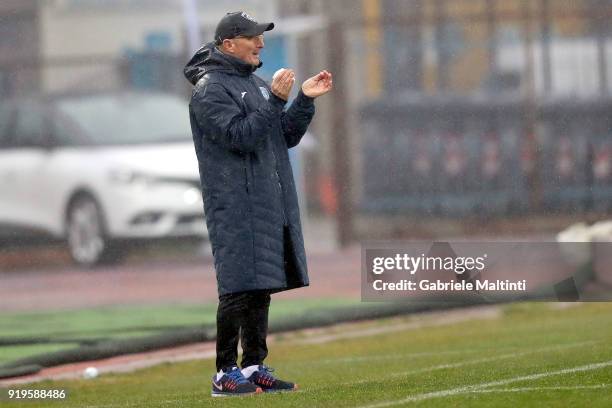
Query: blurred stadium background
(473, 111)
(449, 118)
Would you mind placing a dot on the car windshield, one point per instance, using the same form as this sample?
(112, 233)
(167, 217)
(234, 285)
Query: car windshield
(133, 119)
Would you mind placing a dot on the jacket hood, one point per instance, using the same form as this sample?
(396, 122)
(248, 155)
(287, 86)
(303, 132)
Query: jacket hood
(209, 58)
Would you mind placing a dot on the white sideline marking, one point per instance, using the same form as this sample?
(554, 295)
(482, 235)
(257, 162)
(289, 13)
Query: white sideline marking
(427, 319)
(428, 354)
(558, 388)
(392, 356)
(477, 387)
(477, 361)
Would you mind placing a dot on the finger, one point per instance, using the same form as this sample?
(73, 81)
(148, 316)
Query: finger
(277, 81)
(287, 75)
(287, 87)
(289, 83)
(281, 77)
(287, 90)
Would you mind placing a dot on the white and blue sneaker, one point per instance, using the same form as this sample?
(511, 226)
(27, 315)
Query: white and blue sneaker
(230, 382)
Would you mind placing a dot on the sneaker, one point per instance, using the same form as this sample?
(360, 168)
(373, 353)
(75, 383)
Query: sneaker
(262, 378)
(232, 383)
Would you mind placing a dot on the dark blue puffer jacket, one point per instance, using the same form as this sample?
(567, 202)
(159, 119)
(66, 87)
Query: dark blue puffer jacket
(242, 135)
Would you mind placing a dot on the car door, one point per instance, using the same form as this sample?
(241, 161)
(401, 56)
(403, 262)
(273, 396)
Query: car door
(25, 158)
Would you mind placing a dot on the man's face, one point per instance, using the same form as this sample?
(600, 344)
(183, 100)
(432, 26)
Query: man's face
(245, 48)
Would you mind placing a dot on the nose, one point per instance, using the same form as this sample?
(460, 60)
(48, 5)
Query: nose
(260, 41)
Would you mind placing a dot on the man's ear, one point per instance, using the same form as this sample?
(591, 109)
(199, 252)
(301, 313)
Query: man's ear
(228, 45)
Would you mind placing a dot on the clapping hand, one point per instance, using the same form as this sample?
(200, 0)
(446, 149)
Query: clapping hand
(318, 85)
(282, 84)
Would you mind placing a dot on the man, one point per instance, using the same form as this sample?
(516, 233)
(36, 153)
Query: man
(242, 134)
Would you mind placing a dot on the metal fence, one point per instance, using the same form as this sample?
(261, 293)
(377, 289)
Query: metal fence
(510, 111)
(468, 156)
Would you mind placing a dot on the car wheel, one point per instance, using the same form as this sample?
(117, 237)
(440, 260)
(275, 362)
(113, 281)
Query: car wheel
(87, 241)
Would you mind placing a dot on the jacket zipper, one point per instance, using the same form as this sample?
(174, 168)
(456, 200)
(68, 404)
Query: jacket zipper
(278, 182)
(246, 176)
(280, 187)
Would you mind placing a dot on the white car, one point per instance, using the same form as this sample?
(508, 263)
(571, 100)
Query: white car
(99, 172)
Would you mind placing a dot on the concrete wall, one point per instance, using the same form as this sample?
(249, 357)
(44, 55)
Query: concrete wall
(82, 40)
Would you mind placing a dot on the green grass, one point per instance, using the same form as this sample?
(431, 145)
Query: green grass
(359, 371)
(126, 321)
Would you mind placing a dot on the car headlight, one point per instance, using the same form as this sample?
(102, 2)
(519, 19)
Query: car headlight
(192, 196)
(130, 177)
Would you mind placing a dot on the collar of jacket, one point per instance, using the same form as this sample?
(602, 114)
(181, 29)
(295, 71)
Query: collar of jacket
(241, 67)
(209, 59)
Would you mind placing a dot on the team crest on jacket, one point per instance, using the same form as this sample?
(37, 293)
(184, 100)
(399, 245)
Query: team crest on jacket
(264, 92)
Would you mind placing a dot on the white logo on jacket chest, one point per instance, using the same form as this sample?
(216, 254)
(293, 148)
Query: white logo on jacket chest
(264, 92)
(242, 94)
